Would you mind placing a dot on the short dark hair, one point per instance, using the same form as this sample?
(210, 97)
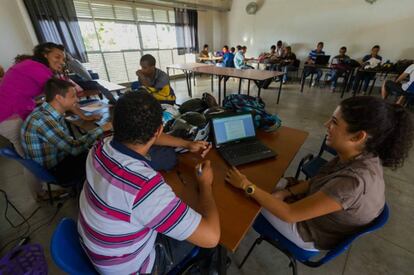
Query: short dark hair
(137, 117)
(279, 43)
(390, 127)
(288, 47)
(273, 47)
(40, 50)
(244, 48)
(226, 47)
(320, 43)
(233, 49)
(343, 48)
(205, 46)
(149, 59)
(238, 47)
(376, 47)
(55, 86)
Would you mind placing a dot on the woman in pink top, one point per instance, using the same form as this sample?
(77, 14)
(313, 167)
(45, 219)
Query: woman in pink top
(22, 83)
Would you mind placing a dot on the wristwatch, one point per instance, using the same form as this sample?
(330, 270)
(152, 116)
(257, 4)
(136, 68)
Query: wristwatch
(250, 189)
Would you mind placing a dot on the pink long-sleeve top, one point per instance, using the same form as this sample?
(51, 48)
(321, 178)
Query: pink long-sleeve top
(19, 87)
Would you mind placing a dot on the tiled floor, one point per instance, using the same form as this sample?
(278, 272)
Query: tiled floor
(388, 251)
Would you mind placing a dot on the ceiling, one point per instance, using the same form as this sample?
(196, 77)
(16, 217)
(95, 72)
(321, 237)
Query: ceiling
(219, 5)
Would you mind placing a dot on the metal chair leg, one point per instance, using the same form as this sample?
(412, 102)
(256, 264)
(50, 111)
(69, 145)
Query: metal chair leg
(256, 242)
(293, 265)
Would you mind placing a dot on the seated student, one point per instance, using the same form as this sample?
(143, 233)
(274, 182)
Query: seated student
(348, 193)
(397, 87)
(46, 139)
(232, 50)
(240, 59)
(311, 60)
(127, 209)
(223, 52)
(204, 53)
(228, 58)
(279, 49)
(288, 62)
(370, 61)
(155, 81)
(339, 66)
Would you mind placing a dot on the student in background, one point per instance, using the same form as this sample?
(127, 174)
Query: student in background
(240, 59)
(288, 62)
(232, 50)
(154, 80)
(348, 192)
(279, 49)
(228, 58)
(399, 88)
(127, 205)
(311, 60)
(46, 139)
(338, 67)
(204, 53)
(370, 61)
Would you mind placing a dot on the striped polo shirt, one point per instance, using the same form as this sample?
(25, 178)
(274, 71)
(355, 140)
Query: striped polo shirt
(124, 204)
(313, 54)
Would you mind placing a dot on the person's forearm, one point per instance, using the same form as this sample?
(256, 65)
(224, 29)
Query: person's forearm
(168, 140)
(275, 206)
(77, 111)
(401, 77)
(207, 207)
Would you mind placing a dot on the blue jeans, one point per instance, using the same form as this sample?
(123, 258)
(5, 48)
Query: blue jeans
(334, 74)
(366, 77)
(286, 69)
(312, 70)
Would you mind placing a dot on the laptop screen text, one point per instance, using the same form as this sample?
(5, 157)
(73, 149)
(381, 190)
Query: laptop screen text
(232, 128)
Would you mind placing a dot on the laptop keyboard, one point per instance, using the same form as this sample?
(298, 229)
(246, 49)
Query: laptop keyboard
(245, 149)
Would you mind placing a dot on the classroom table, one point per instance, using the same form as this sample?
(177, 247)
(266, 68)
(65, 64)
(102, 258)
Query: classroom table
(213, 59)
(375, 72)
(257, 76)
(188, 68)
(112, 87)
(237, 211)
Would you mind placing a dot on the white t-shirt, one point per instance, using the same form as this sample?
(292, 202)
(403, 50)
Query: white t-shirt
(410, 71)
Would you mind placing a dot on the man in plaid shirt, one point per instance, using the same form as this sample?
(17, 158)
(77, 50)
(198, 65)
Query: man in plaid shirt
(46, 139)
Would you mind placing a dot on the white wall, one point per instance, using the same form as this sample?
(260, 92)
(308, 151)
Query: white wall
(212, 29)
(302, 23)
(17, 34)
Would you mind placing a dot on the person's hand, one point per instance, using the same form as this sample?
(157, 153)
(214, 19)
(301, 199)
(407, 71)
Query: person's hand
(237, 179)
(92, 117)
(199, 146)
(139, 73)
(107, 127)
(281, 194)
(206, 176)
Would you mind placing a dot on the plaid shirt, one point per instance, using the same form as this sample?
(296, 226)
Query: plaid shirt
(46, 138)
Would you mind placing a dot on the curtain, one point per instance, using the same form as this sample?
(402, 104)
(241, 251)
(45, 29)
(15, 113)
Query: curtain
(56, 21)
(186, 27)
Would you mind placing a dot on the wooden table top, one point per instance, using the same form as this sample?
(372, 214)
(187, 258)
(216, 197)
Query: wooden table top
(188, 66)
(213, 58)
(233, 72)
(237, 212)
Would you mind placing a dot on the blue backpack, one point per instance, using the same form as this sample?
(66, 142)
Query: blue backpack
(254, 105)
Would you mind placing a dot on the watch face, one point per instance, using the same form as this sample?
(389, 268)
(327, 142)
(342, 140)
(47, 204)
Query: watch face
(249, 190)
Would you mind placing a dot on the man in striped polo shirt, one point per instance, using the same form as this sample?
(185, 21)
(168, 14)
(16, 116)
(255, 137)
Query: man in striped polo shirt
(125, 203)
(311, 60)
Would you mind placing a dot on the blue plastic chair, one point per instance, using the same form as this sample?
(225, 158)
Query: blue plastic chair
(68, 254)
(310, 165)
(35, 168)
(294, 253)
(66, 250)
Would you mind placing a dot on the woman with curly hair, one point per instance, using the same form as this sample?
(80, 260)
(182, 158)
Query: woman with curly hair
(348, 192)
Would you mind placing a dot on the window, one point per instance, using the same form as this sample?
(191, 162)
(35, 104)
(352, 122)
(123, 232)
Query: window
(116, 36)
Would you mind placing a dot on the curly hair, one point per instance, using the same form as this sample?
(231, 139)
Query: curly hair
(137, 117)
(40, 50)
(390, 127)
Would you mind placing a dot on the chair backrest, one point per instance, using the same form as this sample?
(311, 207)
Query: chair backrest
(325, 147)
(39, 171)
(379, 222)
(66, 250)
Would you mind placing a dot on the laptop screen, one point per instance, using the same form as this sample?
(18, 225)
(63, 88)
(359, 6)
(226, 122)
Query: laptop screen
(232, 128)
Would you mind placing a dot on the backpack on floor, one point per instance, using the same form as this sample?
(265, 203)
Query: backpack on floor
(256, 106)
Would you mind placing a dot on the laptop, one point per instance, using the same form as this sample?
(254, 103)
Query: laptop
(322, 59)
(235, 139)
